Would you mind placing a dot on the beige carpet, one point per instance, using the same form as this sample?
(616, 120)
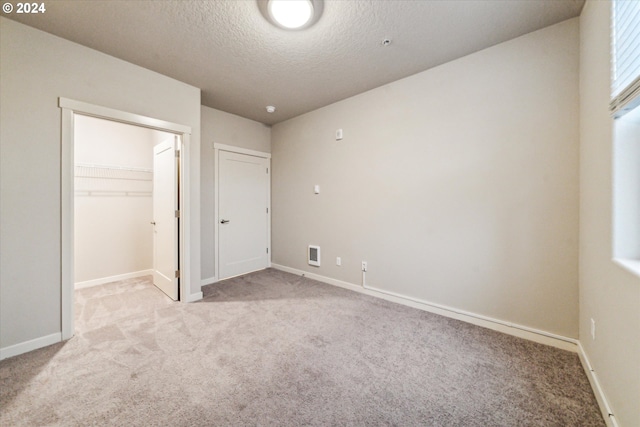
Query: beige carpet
(274, 349)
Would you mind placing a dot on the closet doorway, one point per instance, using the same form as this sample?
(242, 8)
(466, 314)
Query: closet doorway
(118, 211)
(108, 217)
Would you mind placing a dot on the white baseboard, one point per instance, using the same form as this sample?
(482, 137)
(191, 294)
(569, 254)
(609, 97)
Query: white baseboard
(607, 414)
(27, 346)
(103, 280)
(531, 334)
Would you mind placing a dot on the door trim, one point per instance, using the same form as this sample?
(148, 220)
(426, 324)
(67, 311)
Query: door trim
(240, 150)
(70, 108)
(216, 157)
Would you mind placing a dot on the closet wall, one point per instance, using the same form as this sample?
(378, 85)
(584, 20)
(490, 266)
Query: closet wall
(113, 200)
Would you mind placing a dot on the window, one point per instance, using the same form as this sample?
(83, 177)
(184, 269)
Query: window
(625, 81)
(625, 107)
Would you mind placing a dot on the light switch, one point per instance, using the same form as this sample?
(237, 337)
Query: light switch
(316, 189)
(338, 134)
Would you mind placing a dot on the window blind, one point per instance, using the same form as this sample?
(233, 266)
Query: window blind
(625, 87)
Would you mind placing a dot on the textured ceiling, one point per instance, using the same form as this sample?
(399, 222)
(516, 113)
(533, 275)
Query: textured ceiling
(242, 63)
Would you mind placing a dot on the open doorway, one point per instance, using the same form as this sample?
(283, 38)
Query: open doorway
(113, 200)
(125, 227)
(75, 111)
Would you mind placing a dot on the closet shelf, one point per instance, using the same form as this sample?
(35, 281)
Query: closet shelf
(112, 193)
(112, 172)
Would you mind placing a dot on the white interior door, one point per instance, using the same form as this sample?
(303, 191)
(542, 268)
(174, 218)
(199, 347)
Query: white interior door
(165, 220)
(243, 218)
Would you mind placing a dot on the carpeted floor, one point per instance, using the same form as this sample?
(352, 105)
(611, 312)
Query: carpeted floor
(275, 349)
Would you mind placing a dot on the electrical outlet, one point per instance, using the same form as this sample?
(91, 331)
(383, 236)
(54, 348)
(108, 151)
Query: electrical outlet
(338, 261)
(364, 265)
(593, 329)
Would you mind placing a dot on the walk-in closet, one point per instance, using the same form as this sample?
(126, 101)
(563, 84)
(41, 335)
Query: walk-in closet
(113, 202)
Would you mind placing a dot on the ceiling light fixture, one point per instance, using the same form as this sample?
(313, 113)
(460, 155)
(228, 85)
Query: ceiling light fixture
(291, 14)
(271, 109)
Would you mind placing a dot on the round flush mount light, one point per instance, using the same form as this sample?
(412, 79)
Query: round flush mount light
(271, 109)
(291, 14)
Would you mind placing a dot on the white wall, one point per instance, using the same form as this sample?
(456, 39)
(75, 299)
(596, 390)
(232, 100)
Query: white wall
(458, 185)
(35, 69)
(222, 128)
(608, 294)
(113, 235)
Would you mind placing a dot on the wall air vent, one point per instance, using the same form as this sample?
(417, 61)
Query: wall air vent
(313, 255)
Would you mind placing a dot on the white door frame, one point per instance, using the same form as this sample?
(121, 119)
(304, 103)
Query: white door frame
(69, 109)
(216, 158)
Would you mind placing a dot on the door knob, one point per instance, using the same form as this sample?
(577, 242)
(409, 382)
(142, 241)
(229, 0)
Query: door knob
(224, 221)
(153, 223)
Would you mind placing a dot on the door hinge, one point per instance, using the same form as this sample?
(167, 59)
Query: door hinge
(267, 210)
(267, 250)
(177, 153)
(267, 170)
(177, 214)
(177, 274)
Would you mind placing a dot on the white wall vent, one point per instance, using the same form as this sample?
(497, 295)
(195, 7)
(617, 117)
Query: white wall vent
(314, 255)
